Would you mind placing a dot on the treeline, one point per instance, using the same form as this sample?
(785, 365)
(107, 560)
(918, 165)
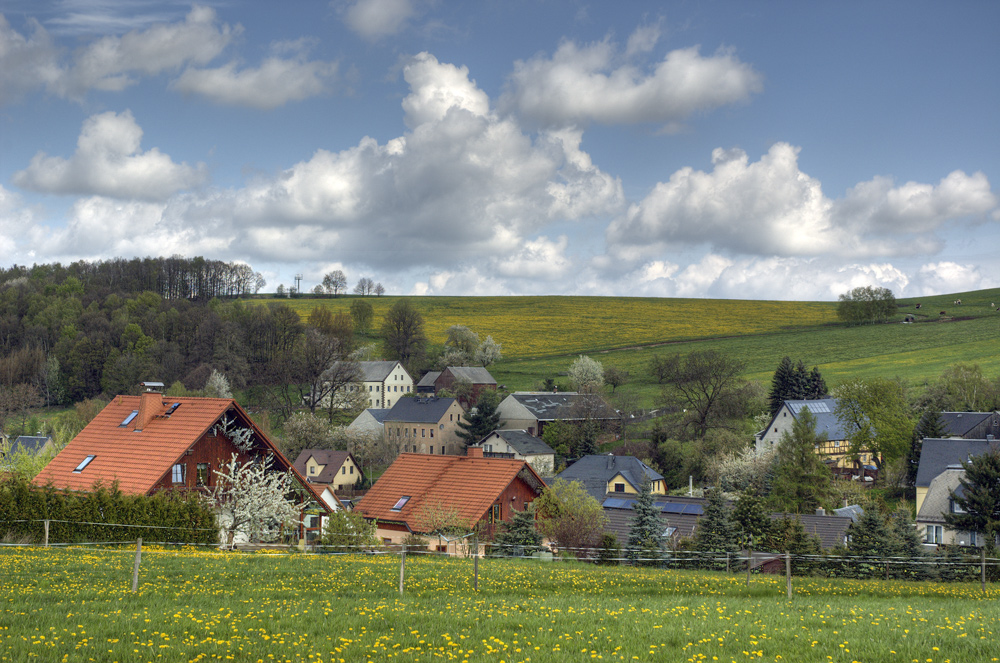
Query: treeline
(171, 278)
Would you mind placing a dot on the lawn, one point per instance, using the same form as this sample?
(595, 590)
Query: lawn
(75, 604)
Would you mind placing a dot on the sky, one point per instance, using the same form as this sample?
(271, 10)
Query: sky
(748, 150)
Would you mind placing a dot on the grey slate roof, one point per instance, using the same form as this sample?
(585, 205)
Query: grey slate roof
(549, 406)
(595, 472)
(938, 500)
(960, 423)
(376, 371)
(936, 454)
(429, 379)
(31, 444)
(525, 443)
(823, 410)
(473, 374)
(854, 512)
(419, 410)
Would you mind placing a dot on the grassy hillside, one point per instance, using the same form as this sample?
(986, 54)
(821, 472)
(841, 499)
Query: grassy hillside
(542, 335)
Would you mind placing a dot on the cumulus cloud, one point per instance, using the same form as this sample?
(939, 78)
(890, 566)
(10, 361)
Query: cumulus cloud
(771, 207)
(108, 162)
(596, 83)
(26, 62)
(374, 19)
(945, 276)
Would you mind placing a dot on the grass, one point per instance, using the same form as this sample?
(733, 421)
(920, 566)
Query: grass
(74, 604)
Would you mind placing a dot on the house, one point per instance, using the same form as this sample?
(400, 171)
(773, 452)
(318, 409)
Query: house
(33, 445)
(335, 469)
(938, 454)
(385, 382)
(419, 492)
(970, 425)
(425, 425)
(937, 502)
(477, 377)
(533, 410)
(371, 421)
(151, 443)
(426, 384)
(834, 450)
(602, 474)
(521, 445)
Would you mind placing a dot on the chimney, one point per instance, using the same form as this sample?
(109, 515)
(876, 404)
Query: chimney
(474, 452)
(150, 403)
(821, 511)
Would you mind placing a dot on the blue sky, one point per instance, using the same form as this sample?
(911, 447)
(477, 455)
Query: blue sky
(752, 150)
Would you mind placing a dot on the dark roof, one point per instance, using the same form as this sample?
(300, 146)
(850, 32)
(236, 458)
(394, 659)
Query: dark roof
(936, 454)
(378, 413)
(473, 374)
(31, 444)
(429, 379)
(595, 472)
(524, 442)
(823, 410)
(550, 406)
(960, 423)
(377, 371)
(419, 410)
(330, 459)
(830, 530)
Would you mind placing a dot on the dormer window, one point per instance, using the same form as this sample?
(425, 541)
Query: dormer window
(398, 506)
(86, 461)
(129, 419)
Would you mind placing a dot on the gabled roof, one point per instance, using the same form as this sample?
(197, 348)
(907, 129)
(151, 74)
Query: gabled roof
(524, 442)
(468, 484)
(473, 374)
(31, 444)
(138, 459)
(960, 423)
(377, 371)
(936, 454)
(595, 471)
(419, 410)
(549, 406)
(332, 460)
(377, 414)
(823, 410)
(429, 379)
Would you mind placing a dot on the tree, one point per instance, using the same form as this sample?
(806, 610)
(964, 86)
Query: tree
(793, 382)
(462, 338)
(217, 386)
(586, 374)
(560, 436)
(876, 416)
(348, 531)
(365, 286)
(378, 290)
(802, 481)
(255, 499)
(441, 520)
(304, 430)
(568, 515)
(362, 313)
(488, 352)
(520, 537)
(929, 425)
(866, 305)
(335, 282)
(707, 384)
(716, 531)
(966, 389)
(978, 506)
(615, 377)
(481, 420)
(403, 333)
(645, 531)
(751, 517)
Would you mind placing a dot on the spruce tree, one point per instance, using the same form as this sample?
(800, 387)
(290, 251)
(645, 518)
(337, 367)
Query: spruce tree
(816, 385)
(482, 419)
(716, 531)
(751, 516)
(644, 541)
(520, 536)
(780, 384)
(802, 482)
(980, 498)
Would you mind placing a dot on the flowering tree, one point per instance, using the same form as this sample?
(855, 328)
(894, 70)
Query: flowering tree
(254, 499)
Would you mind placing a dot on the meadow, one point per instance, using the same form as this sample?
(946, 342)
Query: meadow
(76, 604)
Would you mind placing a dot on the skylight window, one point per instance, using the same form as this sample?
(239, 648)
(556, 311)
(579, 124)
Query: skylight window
(129, 419)
(84, 463)
(401, 503)
(173, 407)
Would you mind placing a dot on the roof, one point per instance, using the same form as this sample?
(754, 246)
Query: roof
(473, 374)
(960, 423)
(595, 471)
(938, 500)
(429, 410)
(853, 511)
(524, 442)
(550, 406)
(936, 454)
(377, 371)
(332, 460)
(823, 410)
(378, 414)
(30, 443)
(469, 484)
(429, 379)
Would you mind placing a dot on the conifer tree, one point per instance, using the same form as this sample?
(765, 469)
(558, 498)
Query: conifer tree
(980, 497)
(520, 537)
(751, 516)
(481, 420)
(802, 482)
(780, 384)
(716, 531)
(644, 541)
(930, 425)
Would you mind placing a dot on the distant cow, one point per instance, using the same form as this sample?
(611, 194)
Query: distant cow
(958, 302)
(919, 305)
(944, 313)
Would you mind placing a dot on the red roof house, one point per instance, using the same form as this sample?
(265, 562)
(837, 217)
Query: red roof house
(472, 488)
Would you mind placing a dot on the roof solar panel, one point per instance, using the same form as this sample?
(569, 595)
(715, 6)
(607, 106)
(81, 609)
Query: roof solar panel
(817, 407)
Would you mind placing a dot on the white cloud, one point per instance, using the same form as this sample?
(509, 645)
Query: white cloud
(25, 62)
(374, 19)
(579, 85)
(275, 83)
(108, 162)
(945, 277)
(772, 208)
(438, 88)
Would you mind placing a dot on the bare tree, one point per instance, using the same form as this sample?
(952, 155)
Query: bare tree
(379, 290)
(365, 286)
(708, 386)
(335, 282)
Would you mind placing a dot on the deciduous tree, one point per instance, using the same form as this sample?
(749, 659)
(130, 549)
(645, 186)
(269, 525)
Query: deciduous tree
(586, 374)
(335, 282)
(403, 333)
(568, 515)
(876, 416)
(707, 384)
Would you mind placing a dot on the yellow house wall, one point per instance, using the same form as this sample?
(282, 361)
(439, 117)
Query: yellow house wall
(921, 494)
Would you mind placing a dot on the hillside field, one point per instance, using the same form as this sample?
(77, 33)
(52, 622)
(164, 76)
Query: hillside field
(541, 336)
(76, 604)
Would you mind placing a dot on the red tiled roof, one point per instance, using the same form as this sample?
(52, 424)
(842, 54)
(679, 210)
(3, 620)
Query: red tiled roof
(138, 459)
(468, 484)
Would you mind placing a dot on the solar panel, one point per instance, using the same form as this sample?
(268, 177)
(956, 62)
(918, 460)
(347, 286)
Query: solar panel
(616, 503)
(817, 406)
(693, 509)
(673, 507)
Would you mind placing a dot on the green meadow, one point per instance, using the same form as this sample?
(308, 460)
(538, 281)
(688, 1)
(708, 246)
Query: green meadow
(541, 336)
(77, 605)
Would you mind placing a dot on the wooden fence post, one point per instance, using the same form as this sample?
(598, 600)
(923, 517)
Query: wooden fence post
(788, 573)
(475, 564)
(402, 569)
(727, 563)
(982, 567)
(749, 560)
(46, 524)
(135, 568)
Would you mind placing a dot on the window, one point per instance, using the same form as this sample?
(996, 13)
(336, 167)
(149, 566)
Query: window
(177, 474)
(432, 449)
(934, 534)
(352, 469)
(955, 508)
(972, 539)
(398, 506)
(84, 463)
(312, 469)
(343, 470)
(423, 432)
(451, 417)
(202, 474)
(129, 419)
(432, 432)
(619, 488)
(495, 513)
